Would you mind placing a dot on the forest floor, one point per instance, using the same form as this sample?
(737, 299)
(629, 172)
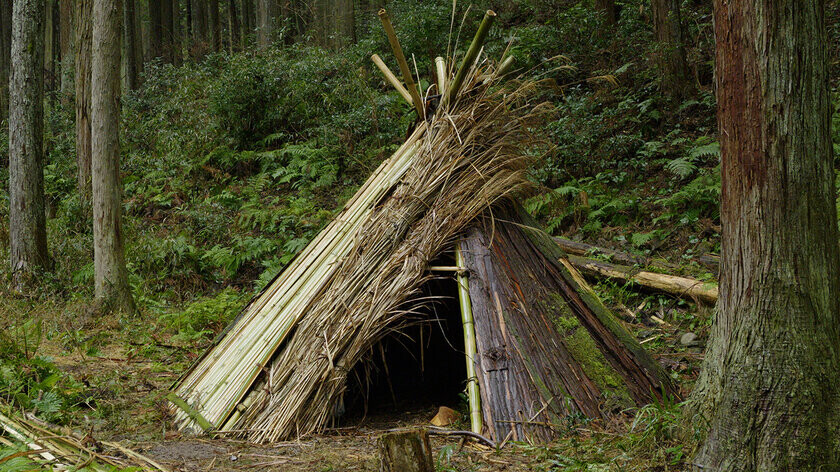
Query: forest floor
(124, 368)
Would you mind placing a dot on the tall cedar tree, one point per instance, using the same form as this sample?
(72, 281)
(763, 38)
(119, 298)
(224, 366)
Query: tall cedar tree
(110, 274)
(668, 30)
(27, 218)
(5, 56)
(130, 44)
(82, 47)
(66, 36)
(233, 27)
(770, 385)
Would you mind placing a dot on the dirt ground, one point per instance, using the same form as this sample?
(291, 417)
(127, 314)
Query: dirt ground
(131, 389)
(349, 450)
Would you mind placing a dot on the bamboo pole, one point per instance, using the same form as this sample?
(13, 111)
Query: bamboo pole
(505, 66)
(469, 343)
(470, 56)
(440, 67)
(391, 78)
(406, 71)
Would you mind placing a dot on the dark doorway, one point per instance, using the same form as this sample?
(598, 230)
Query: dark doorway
(423, 366)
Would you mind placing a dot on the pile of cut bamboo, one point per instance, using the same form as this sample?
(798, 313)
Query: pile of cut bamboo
(62, 450)
(273, 374)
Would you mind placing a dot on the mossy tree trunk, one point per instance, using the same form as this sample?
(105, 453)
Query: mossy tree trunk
(110, 275)
(27, 219)
(770, 383)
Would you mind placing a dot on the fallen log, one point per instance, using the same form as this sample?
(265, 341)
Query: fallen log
(679, 286)
(709, 261)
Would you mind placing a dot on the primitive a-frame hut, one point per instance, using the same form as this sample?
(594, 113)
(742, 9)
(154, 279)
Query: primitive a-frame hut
(537, 344)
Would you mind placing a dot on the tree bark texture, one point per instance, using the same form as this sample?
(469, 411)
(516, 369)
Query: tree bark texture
(233, 27)
(110, 275)
(668, 31)
(166, 28)
(130, 42)
(247, 9)
(200, 35)
(770, 379)
(155, 28)
(406, 451)
(266, 16)
(82, 84)
(27, 219)
(66, 27)
(215, 25)
(5, 56)
(177, 37)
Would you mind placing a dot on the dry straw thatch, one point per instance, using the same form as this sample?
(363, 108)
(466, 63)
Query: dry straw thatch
(472, 156)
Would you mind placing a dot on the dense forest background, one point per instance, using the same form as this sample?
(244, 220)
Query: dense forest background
(247, 124)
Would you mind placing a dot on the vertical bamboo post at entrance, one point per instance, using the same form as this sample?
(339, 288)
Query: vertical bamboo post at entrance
(469, 342)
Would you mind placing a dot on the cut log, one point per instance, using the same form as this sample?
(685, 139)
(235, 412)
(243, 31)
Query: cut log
(406, 451)
(685, 287)
(577, 248)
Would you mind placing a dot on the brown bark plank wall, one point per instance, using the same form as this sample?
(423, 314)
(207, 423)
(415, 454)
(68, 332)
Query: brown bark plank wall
(27, 220)
(769, 385)
(546, 346)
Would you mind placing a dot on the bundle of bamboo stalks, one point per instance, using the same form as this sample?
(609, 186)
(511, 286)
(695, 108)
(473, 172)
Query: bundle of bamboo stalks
(315, 321)
(62, 450)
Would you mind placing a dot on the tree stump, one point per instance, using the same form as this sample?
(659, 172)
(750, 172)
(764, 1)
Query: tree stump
(406, 451)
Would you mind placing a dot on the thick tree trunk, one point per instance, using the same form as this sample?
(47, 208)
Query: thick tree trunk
(49, 42)
(155, 28)
(215, 25)
(200, 35)
(344, 30)
(82, 83)
(177, 37)
(668, 31)
(233, 27)
(166, 26)
(66, 27)
(770, 379)
(5, 56)
(266, 15)
(608, 10)
(130, 41)
(110, 275)
(27, 220)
